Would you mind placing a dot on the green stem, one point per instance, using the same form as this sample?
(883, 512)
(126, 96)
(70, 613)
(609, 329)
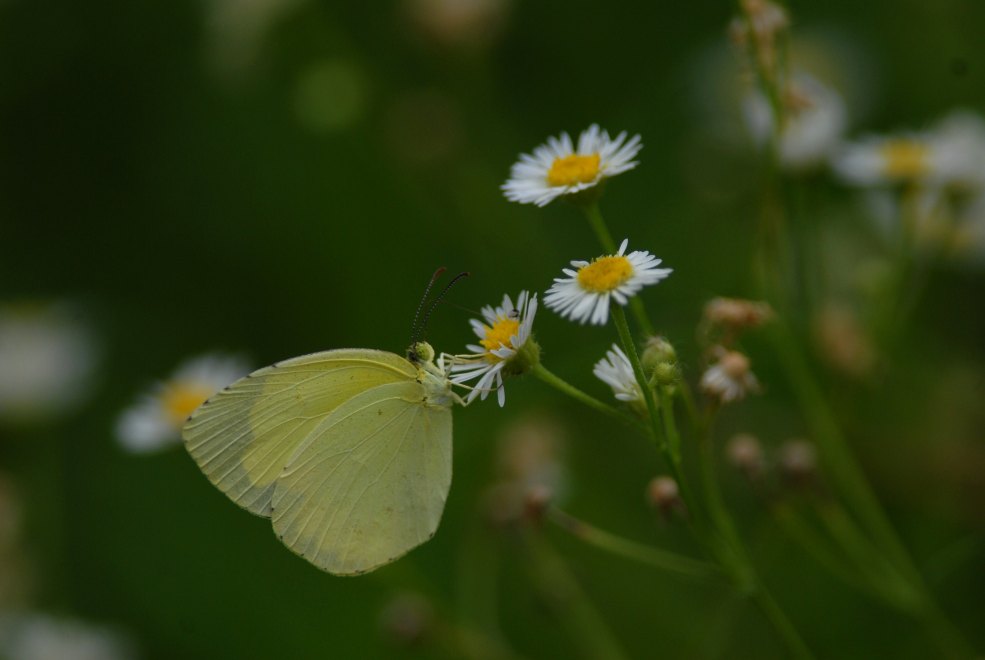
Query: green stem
(816, 545)
(732, 553)
(843, 469)
(670, 425)
(782, 624)
(563, 386)
(847, 476)
(629, 346)
(603, 540)
(894, 588)
(577, 613)
(594, 215)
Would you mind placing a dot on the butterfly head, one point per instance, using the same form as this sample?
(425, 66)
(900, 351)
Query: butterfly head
(420, 353)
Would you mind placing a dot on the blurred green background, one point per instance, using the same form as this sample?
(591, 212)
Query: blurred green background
(275, 177)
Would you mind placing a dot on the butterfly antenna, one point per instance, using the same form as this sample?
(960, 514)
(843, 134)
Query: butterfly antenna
(441, 295)
(414, 330)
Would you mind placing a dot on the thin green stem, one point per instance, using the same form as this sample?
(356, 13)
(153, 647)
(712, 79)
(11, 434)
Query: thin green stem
(670, 425)
(689, 403)
(563, 386)
(894, 588)
(629, 346)
(847, 476)
(782, 624)
(594, 215)
(733, 551)
(617, 545)
(576, 612)
(816, 545)
(843, 469)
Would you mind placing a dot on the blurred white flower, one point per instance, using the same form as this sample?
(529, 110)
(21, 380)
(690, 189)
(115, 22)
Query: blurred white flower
(884, 160)
(42, 637)
(951, 154)
(558, 168)
(815, 121)
(960, 140)
(154, 423)
(729, 378)
(47, 361)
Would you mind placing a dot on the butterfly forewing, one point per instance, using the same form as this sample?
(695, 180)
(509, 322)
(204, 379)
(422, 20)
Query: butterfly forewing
(370, 482)
(243, 436)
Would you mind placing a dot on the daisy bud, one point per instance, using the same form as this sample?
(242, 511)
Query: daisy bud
(407, 619)
(663, 495)
(798, 462)
(746, 454)
(659, 360)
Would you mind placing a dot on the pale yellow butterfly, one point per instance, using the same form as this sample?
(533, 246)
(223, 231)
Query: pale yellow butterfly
(348, 452)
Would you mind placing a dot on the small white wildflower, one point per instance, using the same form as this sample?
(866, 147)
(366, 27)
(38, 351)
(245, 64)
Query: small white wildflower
(557, 168)
(616, 371)
(951, 154)
(505, 345)
(155, 422)
(815, 121)
(47, 360)
(585, 294)
(730, 378)
(42, 637)
(884, 160)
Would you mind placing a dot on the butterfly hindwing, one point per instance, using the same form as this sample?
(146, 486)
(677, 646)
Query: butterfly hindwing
(369, 483)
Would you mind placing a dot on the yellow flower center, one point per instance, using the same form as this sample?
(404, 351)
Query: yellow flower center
(574, 169)
(499, 335)
(605, 274)
(181, 399)
(905, 159)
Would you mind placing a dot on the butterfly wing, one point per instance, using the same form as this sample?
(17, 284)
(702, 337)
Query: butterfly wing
(369, 484)
(243, 436)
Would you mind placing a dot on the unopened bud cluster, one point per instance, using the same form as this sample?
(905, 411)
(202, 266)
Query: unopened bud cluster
(659, 360)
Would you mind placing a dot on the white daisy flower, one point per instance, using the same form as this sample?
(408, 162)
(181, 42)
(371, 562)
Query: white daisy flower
(950, 154)
(155, 422)
(616, 371)
(815, 121)
(884, 160)
(505, 345)
(557, 168)
(584, 295)
(730, 378)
